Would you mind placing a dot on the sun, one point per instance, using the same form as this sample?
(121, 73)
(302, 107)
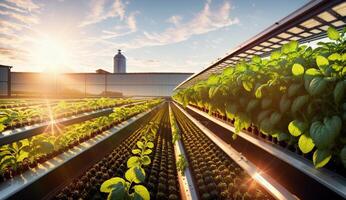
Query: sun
(50, 54)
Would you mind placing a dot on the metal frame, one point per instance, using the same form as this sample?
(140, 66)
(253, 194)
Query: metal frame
(306, 24)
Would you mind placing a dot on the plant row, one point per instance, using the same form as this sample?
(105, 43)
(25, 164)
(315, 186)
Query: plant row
(216, 176)
(142, 167)
(12, 118)
(297, 96)
(20, 156)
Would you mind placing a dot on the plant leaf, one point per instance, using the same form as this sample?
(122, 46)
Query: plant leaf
(146, 160)
(141, 193)
(135, 174)
(111, 184)
(321, 157)
(324, 134)
(299, 102)
(297, 69)
(305, 143)
(136, 151)
(339, 91)
(321, 62)
(133, 161)
(333, 34)
(296, 127)
(317, 86)
(150, 145)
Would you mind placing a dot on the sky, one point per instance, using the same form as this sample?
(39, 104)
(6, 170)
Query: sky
(154, 35)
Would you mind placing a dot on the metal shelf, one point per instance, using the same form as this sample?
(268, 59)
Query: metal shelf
(185, 180)
(16, 186)
(11, 136)
(267, 182)
(306, 24)
(325, 177)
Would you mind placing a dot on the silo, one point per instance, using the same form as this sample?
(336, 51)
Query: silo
(119, 63)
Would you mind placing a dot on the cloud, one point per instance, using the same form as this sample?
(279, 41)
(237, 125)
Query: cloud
(13, 8)
(203, 22)
(99, 12)
(26, 19)
(175, 19)
(25, 5)
(129, 27)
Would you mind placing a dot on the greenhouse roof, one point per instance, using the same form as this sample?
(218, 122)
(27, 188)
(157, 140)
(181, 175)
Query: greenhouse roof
(306, 24)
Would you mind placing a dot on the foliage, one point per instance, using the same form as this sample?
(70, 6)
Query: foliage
(296, 95)
(129, 187)
(182, 164)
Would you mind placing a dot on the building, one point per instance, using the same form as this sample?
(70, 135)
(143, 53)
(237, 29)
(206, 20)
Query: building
(101, 83)
(119, 63)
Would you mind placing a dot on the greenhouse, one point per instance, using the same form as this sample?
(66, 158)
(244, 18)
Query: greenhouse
(266, 120)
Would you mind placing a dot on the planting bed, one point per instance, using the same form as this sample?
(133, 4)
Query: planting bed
(215, 174)
(161, 179)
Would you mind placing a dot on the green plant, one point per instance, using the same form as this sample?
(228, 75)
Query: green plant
(129, 188)
(297, 95)
(13, 154)
(182, 164)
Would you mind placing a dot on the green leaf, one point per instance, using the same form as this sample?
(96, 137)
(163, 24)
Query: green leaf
(285, 104)
(321, 157)
(343, 156)
(313, 72)
(111, 184)
(147, 152)
(339, 92)
(275, 117)
(293, 89)
(141, 193)
(133, 161)
(150, 145)
(262, 115)
(2, 127)
(317, 86)
(266, 102)
(256, 59)
(135, 174)
(140, 144)
(321, 62)
(305, 143)
(299, 102)
(247, 85)
(293, 45)
(333, 34)
(297, 69)
(296, 127)
(275, 55)
(324, 134)
(253, 103)
(118, 193)
(334, 57)
(146, 160)
(283, 137)
(136, 151)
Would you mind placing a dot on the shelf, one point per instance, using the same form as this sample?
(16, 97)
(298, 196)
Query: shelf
(11, 136)
(306, 24)
(12, 188)
(186, 181)
(325, 177)
(274, 188)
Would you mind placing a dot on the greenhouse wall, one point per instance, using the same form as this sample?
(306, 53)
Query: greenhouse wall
(93, 84)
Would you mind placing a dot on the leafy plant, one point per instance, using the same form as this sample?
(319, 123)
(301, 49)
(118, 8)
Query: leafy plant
(182, 164)
(296, 95)
(129, 188)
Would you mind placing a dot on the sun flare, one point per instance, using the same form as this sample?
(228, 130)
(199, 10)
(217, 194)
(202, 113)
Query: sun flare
(50, 55)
